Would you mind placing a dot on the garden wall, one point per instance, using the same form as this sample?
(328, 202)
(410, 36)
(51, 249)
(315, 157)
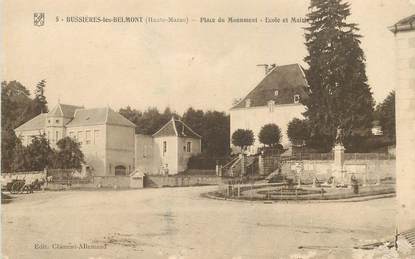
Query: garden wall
(180, 181)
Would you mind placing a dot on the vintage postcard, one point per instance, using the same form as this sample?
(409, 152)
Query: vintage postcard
(207, 129)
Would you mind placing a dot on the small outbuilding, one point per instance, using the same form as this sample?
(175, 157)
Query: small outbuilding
(137, 179)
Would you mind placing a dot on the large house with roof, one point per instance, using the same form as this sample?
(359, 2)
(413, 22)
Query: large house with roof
(109, 142)
(276, 99)
(106, 137)
(168, 150)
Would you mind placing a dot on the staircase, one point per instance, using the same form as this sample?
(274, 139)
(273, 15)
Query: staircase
(236, 167)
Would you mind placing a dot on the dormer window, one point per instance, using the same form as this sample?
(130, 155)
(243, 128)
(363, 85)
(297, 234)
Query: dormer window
(276, 93)
(297, 98)
(271, 104)
(248, 103)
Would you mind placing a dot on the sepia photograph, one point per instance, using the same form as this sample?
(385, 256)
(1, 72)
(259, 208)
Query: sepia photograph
(207, 129)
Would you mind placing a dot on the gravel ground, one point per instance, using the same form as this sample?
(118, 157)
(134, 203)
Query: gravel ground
(179, 223)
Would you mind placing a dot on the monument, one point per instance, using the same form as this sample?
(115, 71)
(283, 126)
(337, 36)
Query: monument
(339, 173)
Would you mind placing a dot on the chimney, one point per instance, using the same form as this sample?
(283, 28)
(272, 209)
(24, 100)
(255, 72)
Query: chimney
(267, 67)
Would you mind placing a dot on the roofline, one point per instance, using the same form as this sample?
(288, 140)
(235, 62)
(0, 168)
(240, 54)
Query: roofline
(41, 114)
(174, 126)
(266, 106)
(190, 128)
(400, 28)
(165, 125)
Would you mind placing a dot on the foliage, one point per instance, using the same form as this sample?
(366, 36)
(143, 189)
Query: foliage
(270, 135)
(204, 161)
(149, 121)
(34, 157)
(243, 138)
(69, 154)
(39, 102)
(386, 114)
(213, 126)
(15, 109)
(339, 95)
(298, 131)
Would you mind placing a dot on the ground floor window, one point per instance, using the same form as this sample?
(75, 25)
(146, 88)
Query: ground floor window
(120, 170)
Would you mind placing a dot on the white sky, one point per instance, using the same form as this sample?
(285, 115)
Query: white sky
(176, 65)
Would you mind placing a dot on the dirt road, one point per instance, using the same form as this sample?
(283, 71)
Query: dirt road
(178, 223)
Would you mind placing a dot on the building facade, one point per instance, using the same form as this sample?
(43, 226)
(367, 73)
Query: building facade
(276, 99)
(404, 32)
(106, 137)
(168, 150)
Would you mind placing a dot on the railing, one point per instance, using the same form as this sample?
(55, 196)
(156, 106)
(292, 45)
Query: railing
(368, 156)
(313, 156)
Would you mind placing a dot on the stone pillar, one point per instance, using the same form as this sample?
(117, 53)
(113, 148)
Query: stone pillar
(242, 156)
(338, 163)
(405, 120)
(261, 165)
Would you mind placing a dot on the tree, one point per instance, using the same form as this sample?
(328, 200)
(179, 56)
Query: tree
(149, 121)
(298, 131)
(39, 102)
(69, 154)
(34, 157)
(39, 153)
(339, 95)
(213, 126)
(15, 103)
(386, 115)
(243, 138)
(270, 135)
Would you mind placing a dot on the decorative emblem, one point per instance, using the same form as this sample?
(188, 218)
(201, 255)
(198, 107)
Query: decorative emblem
(39, 19)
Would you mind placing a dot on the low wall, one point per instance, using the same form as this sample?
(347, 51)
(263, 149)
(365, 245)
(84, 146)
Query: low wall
(112, 181)
(363, 170)
(178, 180)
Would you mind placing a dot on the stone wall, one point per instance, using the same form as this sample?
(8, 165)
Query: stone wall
(363, 170)
(179, 181)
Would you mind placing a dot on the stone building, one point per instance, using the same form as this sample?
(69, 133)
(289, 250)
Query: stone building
(404, 32)
(168, 150)
(106, 137)
(276, 99)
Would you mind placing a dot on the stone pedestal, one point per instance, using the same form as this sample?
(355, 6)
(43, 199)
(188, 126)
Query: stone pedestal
(338, 170)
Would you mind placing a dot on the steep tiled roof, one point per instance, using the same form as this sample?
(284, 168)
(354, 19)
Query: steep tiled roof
(97, 116)
(63, 110)
(288, 80)
(176, 128)
(36, 123)
(405, 24)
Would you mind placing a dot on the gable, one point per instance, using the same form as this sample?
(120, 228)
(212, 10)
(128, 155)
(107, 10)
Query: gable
(176, 128)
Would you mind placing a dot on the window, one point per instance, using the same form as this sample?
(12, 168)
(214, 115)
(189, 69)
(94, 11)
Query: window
(296, 98)
(189, 147)
(71, 134)
(87, 137)
(49, 121)
(164, 147)
(120, 170)
(79, 137)
(248, 103)
(276, 92)
(57, 135)
(57, 121)
(96, 136)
